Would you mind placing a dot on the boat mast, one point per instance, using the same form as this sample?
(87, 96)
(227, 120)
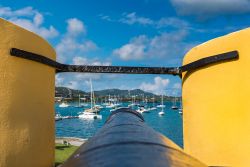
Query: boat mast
(79, 102)
(91, 94)
(162, 103)
(162, 99)
(153, 100)
(175, 100)
(109, 100)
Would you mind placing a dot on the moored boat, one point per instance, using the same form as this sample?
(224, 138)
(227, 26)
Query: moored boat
(161, 105)
(91, 113)
(63, 105)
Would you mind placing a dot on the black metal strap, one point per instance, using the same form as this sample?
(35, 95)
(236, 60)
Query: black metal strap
(124, 69)
(210, 60)
(92, 69)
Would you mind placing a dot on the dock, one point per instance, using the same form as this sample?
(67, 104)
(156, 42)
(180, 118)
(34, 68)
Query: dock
(65, 117)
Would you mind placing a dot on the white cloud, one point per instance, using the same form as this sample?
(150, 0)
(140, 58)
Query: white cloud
(177, 86)
(86, 76)
(59, 80)
(175, 90)
(132, 18)
(69, 80)
(165, 45)
(105, 17)
(73, 85)
(134, 50)
(72, 49)
(80, 80)
(75, 26)
(172, 22)
(158, 87)
(30, 19)
(85, 61)
(72, 44)
(8, 12)
(80, 61)
(209, 8)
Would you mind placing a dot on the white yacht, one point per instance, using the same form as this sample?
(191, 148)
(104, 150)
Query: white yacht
(98, 106)
(63, 105)
(111, 105)
(141, 109)
(174, 106)
(91, 113)
(153, 106)
(161, 105)
(161, 113)
(58, 117)
(180, 112)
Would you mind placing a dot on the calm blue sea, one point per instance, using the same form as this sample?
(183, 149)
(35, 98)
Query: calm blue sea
(169, 125)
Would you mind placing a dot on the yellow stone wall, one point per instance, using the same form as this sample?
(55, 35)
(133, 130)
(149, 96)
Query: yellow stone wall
(216, 111)
(26, 101)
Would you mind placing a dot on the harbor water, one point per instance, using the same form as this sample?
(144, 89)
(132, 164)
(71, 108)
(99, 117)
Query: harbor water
(169, 124)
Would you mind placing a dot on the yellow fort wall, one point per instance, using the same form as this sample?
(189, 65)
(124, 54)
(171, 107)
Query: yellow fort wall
(26, 101)
(216, 100)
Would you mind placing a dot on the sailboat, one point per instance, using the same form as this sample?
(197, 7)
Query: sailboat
(180, 109)
(99, 106)
(63, 105)
(110, 103)
(161, 113)
(174, 106)
(113, 103)
(58, 117)
(91, 113)
(161, 105)
(180, 112)
(105, 102)
(153, 106)
(132, 102)
(141, 109)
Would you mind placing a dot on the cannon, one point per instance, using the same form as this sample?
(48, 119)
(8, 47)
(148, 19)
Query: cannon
(125, 140)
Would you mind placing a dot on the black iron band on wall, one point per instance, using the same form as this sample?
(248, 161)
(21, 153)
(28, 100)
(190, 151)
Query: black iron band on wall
(233, 55)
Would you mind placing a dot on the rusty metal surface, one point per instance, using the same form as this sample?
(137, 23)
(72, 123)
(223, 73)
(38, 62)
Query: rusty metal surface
(126, 141)
(119, 69)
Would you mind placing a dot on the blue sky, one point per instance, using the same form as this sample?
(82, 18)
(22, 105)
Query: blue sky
(131, 32)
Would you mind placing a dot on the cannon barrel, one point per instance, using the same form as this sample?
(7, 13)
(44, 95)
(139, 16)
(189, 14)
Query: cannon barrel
(125, 140)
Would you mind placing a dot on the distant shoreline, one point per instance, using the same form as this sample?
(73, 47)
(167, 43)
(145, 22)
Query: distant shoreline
(72, 95)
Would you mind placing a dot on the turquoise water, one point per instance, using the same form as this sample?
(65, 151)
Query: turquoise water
(169, 125)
